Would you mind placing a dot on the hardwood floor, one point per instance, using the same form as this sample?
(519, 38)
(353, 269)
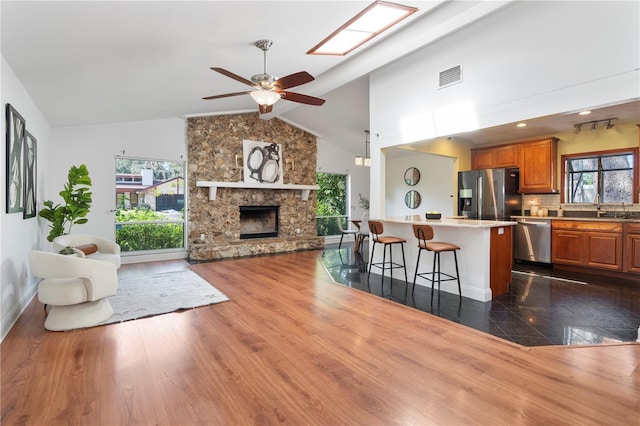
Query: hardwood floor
(291, 347)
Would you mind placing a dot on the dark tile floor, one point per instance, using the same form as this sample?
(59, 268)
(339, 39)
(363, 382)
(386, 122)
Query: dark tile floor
(543, 306)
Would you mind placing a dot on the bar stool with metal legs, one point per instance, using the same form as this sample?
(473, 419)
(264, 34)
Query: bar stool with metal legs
(424, 234)
(375, 231)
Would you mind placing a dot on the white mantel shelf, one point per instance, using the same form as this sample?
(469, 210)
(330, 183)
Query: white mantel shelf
(213, 187)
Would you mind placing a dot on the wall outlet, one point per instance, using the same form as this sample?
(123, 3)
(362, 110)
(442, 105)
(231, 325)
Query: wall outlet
(297, 230)
(202, 236)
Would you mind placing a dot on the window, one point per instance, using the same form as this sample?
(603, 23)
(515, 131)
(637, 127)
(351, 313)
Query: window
(149, 202)
(332, 203)
(610, 175)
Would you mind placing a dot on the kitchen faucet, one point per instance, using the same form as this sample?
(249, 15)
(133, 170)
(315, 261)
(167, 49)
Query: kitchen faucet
(596, 202)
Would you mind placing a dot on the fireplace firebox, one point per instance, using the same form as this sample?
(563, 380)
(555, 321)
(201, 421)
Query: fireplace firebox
(258, 221)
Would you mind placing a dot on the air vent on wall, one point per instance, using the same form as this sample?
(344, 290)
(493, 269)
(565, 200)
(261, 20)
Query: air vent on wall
(450, 76)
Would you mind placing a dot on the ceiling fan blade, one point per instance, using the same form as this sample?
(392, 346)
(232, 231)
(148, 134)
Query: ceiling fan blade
(293, 80)
(303, 99)
(236, 77)
(265, 109)
(226, 95)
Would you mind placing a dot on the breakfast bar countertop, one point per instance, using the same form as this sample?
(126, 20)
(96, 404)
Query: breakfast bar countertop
(449, 222)
(484, 258)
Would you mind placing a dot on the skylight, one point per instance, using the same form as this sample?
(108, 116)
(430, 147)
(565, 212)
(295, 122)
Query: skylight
(373, 20)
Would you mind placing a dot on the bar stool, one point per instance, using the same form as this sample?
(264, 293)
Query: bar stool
(424, 233)
(375, 231)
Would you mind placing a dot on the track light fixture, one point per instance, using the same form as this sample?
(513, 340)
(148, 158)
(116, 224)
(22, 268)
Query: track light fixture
(607, 122)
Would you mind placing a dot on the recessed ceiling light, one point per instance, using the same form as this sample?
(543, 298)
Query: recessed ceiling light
(373, 20)
(584, 113)
(521, 125)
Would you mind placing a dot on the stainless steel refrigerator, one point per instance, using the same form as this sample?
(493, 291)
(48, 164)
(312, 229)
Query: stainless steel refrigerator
(489, 194)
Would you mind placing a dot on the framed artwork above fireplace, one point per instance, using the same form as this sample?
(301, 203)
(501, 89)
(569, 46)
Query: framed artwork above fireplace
(262, 162)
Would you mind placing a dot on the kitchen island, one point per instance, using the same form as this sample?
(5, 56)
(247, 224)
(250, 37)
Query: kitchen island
(485, 257)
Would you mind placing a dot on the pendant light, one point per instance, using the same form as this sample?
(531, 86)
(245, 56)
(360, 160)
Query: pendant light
(366, 160)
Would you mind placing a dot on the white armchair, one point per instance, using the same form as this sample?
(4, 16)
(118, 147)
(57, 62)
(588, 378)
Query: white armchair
(108, 251)
(75, 288)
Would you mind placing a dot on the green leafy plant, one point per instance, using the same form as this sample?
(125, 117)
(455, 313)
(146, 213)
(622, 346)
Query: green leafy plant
(67, 251)
(364, 202)
(330, 202)
(146, 236)
(77, 202)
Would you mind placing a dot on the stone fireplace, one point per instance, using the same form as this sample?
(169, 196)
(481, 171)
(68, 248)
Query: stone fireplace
(258, 222)
(215, 149)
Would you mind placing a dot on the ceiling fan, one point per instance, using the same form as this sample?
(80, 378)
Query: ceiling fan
(268, 89)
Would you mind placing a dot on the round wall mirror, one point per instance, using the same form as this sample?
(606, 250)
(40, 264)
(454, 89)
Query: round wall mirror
(412, 176)
(412, 199)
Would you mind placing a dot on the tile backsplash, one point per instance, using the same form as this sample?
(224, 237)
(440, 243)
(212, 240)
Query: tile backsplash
(552, 202)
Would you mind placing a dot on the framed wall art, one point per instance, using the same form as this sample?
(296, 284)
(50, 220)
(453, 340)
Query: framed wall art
(15, 129)
(262, 162)
(30, 175)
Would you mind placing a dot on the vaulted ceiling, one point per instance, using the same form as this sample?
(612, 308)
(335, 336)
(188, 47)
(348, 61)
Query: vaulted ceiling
(86, 62)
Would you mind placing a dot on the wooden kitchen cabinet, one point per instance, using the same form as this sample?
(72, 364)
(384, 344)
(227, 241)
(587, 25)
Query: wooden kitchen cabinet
(506, 156)
(495, 157)
(535, 159)
(538, 166)
(632, 248)
(482, 159)
(592, 244)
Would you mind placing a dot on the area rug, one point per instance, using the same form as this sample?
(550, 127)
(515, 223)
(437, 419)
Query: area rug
(150, 295)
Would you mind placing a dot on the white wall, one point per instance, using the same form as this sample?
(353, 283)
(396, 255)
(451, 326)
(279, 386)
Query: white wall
(19, 236)
(529, 60)
(435, 185)
(332, 159)
(97, 147)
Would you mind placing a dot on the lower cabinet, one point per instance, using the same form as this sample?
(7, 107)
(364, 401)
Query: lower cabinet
(632, 248)
(591, 244)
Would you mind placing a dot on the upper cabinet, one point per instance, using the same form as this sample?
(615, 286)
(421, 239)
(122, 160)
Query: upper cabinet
(482, 159)
(535, 159)
(538, 166)
(506, 156)
(495, 157)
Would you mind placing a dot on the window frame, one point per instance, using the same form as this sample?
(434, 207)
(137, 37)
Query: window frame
(618, 151)
(344, 217)
(183, 221)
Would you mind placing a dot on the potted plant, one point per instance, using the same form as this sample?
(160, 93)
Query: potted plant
(364, 204)
(77, 202)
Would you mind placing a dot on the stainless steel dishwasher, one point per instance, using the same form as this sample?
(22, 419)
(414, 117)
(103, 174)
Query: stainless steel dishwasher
(533, 240)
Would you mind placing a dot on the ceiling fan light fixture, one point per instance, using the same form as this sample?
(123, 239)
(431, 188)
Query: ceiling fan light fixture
(265, 97)
(373, 20)
(264, 81)
(267, 88)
